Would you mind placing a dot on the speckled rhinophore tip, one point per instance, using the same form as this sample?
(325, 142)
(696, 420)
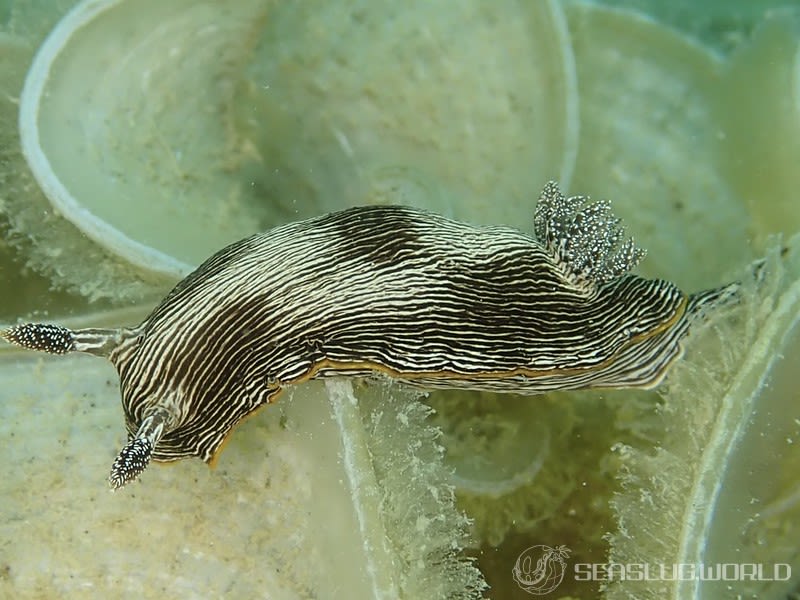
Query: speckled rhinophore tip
(131, 461)
(41, 336)
(136, 455)
(55, 339)
(585, 237)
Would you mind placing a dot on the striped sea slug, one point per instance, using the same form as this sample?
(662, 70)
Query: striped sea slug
(386, 290)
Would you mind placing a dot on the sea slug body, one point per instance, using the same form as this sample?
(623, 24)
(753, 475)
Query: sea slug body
(387, 290)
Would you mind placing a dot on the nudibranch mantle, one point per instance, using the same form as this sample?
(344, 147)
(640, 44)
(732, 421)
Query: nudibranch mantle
(389, 290)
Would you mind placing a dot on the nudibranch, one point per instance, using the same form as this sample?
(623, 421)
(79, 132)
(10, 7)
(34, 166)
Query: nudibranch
(387, 290)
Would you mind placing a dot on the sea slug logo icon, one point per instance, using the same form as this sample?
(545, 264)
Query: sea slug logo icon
(540, 569)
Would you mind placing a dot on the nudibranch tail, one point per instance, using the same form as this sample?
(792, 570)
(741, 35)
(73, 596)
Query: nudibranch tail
(645, 364)
(702, 304)
(584, 237)
(135, 456)
(55, 339)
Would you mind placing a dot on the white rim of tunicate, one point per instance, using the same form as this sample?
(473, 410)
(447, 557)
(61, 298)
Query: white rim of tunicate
(572, 113)
(60, 197)
(729, 430)
(113, 239)
(491, 488)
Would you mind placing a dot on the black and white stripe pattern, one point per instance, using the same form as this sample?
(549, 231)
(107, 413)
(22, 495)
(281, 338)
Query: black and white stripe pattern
(406, 293)
(386, 289)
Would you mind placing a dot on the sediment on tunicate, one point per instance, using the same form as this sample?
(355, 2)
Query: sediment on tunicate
(699, 494)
